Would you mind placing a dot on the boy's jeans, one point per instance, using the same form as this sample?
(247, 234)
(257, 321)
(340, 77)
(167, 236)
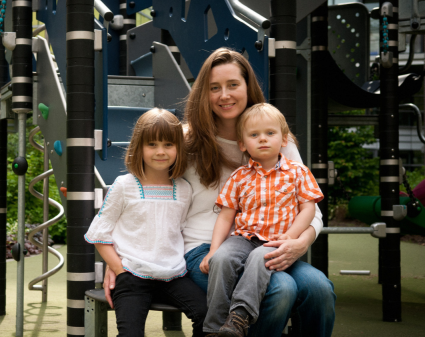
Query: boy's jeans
(234, 255)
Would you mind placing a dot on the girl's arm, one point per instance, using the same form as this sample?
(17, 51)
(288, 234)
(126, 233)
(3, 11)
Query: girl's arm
(111, 257)
(221, 230)
(301, 223)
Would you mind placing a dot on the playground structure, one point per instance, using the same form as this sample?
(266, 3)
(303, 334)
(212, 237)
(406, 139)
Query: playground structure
(110, 72)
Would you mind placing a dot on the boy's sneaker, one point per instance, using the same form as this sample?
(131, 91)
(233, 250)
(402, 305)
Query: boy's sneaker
(235, 326)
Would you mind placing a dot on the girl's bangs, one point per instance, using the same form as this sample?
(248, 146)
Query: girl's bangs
(162, 130)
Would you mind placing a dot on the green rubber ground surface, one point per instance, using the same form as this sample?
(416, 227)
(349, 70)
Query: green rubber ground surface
(358, 308)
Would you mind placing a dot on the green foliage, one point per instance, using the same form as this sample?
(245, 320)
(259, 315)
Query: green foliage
(357, 169)
(414, 178)
(33, 206)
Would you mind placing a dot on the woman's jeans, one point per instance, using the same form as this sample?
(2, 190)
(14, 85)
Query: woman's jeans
(301, 292)
(133, 296)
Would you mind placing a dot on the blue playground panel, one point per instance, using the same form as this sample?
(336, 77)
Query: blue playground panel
(120, 128)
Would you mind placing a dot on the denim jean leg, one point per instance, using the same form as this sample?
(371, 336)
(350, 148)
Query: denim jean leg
(314, 311)
(276, 307)
(225, 266)
(183, 293)
(132, 297)
(251, 288)
(193, 259)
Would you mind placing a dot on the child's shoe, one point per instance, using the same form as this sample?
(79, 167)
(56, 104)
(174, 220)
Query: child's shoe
(235, 326)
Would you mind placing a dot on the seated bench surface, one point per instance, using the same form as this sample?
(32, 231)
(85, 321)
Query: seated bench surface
(99, 295)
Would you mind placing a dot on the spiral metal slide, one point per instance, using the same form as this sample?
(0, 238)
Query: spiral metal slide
(45, 175)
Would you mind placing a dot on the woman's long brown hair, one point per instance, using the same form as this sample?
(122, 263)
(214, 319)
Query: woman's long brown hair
(204, 150)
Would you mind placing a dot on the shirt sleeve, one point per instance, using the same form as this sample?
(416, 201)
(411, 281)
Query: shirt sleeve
(228, 196)
(291, 152)
(307, 187)
(100, 230)
(317, 222)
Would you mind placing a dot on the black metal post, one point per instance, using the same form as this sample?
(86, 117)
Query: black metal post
(80, 158)
(21, 105)
(389, 247)
(129, 23)
(319, 125)
(283, 16)
(3, 188)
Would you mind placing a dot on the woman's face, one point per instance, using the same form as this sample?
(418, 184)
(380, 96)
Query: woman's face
(228, 91)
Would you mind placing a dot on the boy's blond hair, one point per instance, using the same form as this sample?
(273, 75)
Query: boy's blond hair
(156, 125)
(260, 110)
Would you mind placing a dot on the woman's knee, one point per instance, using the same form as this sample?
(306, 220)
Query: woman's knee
(313, 286)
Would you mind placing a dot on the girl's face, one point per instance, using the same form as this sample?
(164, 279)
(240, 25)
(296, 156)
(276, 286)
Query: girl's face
(158, 156)
(228, 91)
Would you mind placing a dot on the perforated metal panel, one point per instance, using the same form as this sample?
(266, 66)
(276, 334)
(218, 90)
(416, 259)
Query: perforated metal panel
(348, 33)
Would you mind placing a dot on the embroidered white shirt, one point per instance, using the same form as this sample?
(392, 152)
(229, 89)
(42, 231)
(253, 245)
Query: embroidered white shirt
(144, 225)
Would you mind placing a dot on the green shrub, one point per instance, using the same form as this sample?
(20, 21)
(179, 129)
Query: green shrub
(33, 206)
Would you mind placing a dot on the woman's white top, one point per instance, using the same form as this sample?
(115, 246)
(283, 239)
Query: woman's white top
(200, 221)
(144, 224)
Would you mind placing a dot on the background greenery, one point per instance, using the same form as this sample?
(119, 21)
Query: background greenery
(357, 170)
(33, 206)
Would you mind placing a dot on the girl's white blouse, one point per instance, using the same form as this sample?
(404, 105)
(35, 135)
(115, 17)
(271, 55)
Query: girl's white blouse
(144, 225)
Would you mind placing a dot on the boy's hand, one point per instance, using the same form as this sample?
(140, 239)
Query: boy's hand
(277, 237)
(204, 266)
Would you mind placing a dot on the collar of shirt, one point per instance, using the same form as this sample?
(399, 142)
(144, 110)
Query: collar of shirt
(283, 164)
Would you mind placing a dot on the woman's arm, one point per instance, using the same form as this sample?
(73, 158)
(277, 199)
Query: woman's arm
(221, 230)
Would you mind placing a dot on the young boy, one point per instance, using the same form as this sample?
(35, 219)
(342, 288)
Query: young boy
(270, 198)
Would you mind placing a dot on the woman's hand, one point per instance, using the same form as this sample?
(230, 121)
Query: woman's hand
(109, 284)
(288, 251)
(277, 237)
(204, 266)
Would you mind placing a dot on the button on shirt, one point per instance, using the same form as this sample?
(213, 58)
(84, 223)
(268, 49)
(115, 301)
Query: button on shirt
(268, 201)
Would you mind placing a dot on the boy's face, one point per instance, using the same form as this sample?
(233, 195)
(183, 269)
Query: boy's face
(262, 138)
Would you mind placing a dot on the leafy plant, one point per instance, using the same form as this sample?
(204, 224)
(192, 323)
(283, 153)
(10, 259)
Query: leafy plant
(33, 206)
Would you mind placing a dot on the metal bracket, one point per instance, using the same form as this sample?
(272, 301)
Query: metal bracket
(35, 45)
(9, 40)
(379, 230)
(415, 20)
(400, 212)
(98, 272)
(304, 49)
(117, 22)
(387, 9)
(98, 198)
(97, 40)
(331, 173)
(387, 59)
(98, 134)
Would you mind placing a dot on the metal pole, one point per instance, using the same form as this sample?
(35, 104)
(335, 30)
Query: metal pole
(283, 15)
(22, 117)
(389, 247)
(45, 219)
(3, 187)
(129, 23)
(21, 104)
(80, 158)
(319, 119)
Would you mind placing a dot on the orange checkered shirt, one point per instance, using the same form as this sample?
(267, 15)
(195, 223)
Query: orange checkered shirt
(268, 201)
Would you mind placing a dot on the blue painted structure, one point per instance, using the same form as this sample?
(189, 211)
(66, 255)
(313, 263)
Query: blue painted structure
(193, 42)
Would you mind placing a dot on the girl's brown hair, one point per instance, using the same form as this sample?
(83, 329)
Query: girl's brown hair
(261, 110)
(156, 125)
(206, 153)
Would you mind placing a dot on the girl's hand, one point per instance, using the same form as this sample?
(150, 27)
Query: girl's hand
(204, 266)
(109, 284)
(286, 254)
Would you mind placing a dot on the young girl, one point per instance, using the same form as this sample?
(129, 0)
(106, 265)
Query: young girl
(138, 228)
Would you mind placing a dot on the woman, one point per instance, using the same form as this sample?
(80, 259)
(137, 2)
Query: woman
(225, 87)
